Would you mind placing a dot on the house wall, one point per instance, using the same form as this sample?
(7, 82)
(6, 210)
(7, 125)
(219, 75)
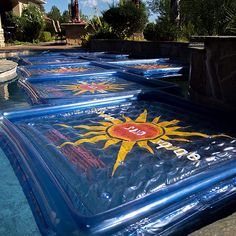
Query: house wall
(2, 44)
(19, 6)
(213, 72)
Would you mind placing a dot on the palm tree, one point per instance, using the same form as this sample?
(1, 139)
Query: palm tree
(174, 11)
(230, 20)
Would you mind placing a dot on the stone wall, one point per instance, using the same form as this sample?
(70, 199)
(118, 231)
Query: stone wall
(212, 59)
(74, 32)
(2, 44)
(213, 72)
(143, 49)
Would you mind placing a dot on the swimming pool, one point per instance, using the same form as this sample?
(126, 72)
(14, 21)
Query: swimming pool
(120, 165)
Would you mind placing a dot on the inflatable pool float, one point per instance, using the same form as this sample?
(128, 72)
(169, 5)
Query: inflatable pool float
(150, 67)
(126, 167)
(69, 89)
(51, 60)
(55, 70)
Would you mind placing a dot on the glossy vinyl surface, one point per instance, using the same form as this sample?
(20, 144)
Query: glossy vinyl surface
(51, 60)
(55, 70)
(111, 164)
(150, 67)
(87, 87)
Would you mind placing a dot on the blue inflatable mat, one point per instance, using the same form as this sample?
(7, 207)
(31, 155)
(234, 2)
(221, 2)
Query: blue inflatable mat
(51, 60)
(149, 67)
(110, 55)
(85, 53)
(42, 54)
(106, 57)
(125, 167)
(55, 70)
(63, 90)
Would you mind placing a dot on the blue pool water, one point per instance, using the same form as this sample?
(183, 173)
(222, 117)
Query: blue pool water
(15, 215)
(11, 96)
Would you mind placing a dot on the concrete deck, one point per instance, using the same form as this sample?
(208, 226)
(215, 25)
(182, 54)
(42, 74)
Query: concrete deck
(7, 70)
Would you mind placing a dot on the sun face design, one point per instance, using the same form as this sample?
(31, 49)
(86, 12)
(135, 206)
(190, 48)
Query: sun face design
(133, 132)
(83, 87)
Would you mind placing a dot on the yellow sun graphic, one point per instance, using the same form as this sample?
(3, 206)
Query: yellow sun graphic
(131, 132)
(83, 87)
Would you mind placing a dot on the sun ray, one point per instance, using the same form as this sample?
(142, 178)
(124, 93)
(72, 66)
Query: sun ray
(90, 127)
(80, 92)
(86, 140)
(220, 135)
(125, 148)
(144, 144)
(114, 89)
(113, 120)
(84, 87)
(156, 119)
(187, 134)
(104, 123)
(175, 139)
(64, 125)
(168, 123)
(127, 119)
(111, 142)
(92, 132)
(142, 117)
(174, 128)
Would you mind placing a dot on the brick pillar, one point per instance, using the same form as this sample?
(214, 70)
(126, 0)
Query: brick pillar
(2, 44)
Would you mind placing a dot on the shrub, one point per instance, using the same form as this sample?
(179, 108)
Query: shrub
(163, 30)
(105, 34)
(230, 21)
(31, 23)
(49, 27)
(150, 32)
(98, 29)
(45, 36)
(101, 34)
(126, 19)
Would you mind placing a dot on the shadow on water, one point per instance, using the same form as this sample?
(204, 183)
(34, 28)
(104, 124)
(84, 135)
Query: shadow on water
(11, 96)
(182, 82)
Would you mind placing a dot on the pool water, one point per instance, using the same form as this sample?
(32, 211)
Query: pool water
(11, 96)
(183, 84)
(15, 213)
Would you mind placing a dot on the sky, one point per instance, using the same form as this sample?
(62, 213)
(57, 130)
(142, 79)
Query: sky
(88, 7)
